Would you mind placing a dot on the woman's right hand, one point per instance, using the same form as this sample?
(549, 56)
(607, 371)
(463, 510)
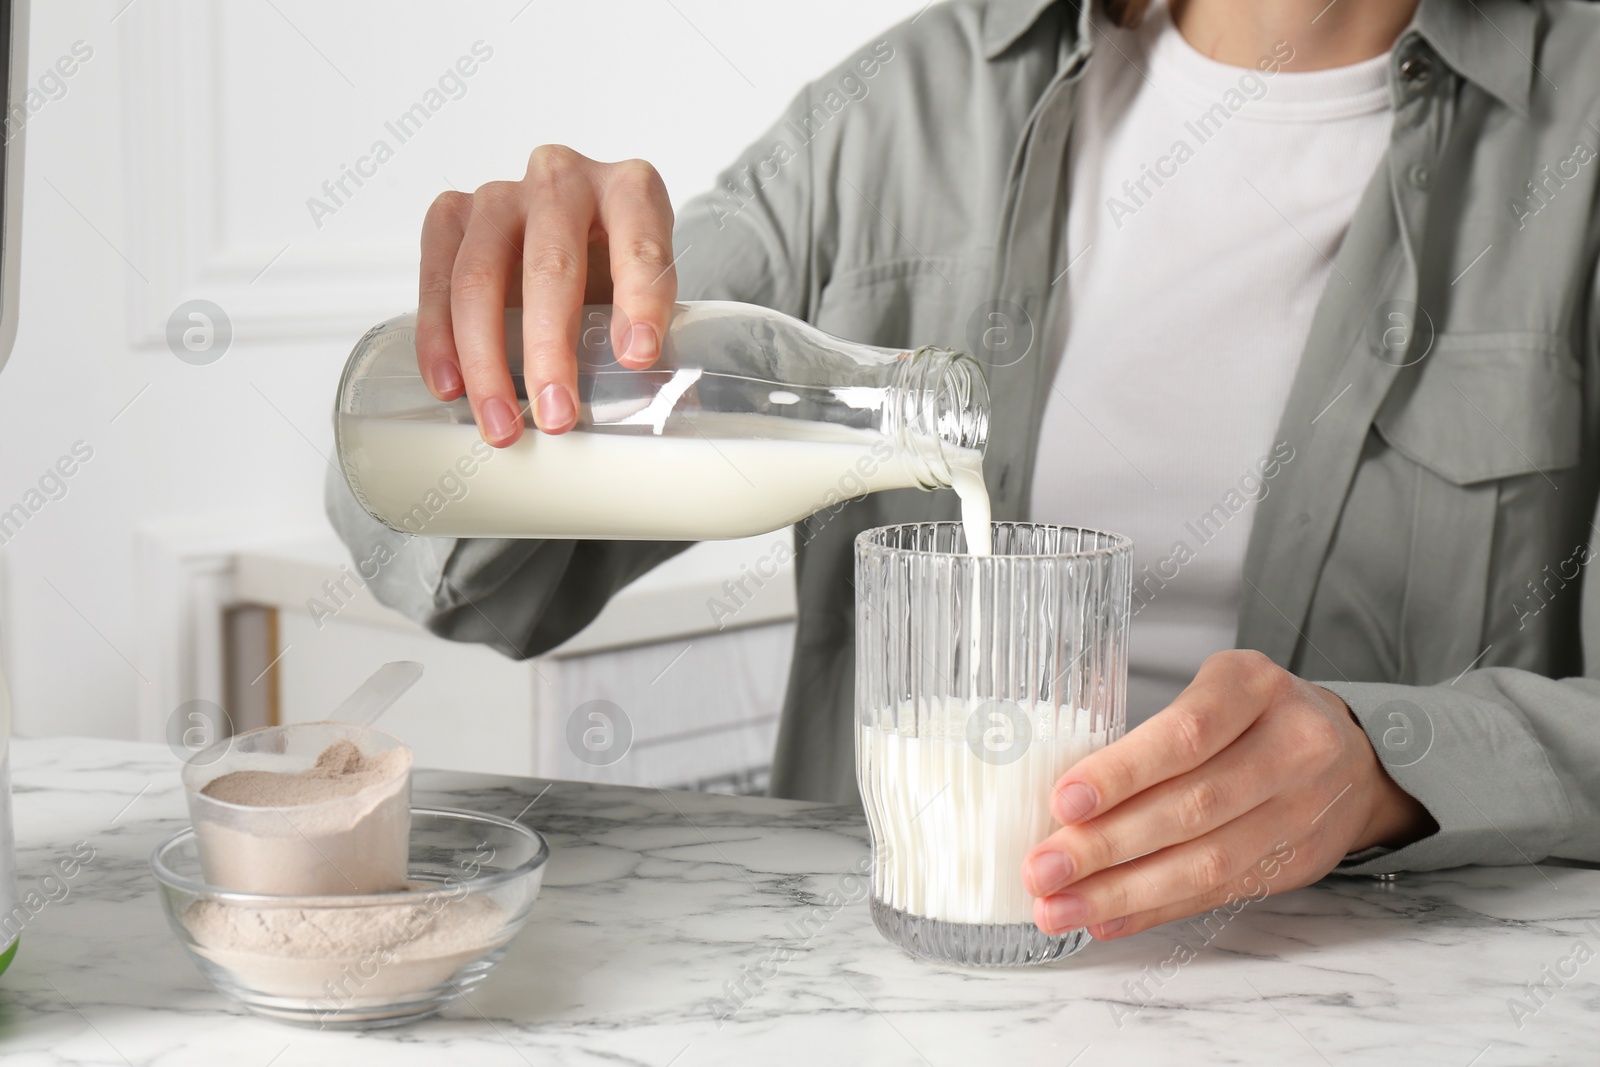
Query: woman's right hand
(582, 232)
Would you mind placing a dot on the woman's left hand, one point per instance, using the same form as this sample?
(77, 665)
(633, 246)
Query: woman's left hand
(1251, 782)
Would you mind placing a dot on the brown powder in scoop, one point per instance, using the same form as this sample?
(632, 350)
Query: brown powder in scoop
(340, 826)
(340, 771)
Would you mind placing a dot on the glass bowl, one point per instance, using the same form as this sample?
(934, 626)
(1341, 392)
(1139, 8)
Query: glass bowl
(359, 961)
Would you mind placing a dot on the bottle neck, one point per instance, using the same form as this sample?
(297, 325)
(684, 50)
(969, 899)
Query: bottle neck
(937, 414)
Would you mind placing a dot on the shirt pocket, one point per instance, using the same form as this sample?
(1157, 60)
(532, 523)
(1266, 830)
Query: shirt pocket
(1488, 406)
(1493, 425)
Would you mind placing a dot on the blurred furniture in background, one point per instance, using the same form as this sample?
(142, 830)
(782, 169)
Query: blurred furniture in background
(659, 690)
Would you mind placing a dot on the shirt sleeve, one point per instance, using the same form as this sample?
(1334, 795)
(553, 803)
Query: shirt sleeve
(520, 596)
(1506, 761)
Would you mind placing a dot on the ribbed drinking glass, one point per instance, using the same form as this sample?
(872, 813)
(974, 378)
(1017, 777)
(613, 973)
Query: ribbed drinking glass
(979, 681)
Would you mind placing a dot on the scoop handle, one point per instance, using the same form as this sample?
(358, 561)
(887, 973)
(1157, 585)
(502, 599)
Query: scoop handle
(387, 684)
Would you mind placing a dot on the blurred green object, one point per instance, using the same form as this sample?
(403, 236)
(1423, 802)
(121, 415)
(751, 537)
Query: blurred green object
(5, 960)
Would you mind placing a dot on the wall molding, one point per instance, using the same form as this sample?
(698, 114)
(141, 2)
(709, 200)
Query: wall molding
(172, 98)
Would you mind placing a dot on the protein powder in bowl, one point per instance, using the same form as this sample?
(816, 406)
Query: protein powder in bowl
(356, 961)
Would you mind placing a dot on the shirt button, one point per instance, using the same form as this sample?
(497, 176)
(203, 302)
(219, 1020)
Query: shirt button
(1420, 176)
(1415, 71)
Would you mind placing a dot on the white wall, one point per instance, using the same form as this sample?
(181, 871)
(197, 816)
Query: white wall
(177, 164)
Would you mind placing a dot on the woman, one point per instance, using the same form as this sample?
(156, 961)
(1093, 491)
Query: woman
(1331, 264)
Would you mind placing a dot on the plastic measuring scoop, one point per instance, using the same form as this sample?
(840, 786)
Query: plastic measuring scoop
(352, 842)
(374, 696)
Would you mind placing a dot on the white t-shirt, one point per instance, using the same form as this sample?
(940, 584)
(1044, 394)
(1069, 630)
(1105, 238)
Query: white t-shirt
(1208, 203)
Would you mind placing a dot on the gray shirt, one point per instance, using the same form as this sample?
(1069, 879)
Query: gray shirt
(1422, 556)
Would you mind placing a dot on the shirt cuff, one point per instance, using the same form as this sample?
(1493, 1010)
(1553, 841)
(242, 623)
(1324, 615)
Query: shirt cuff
(1473, 763)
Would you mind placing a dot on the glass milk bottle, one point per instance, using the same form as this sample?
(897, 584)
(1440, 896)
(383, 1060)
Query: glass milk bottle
(750, 420)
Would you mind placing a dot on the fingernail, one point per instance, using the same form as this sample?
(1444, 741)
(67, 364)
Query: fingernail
(642, 344)
(1059, 913)
(1049, 871)
(555, 411)
(499, 420)
(1112, 927)
(1074, 802)
(446, 379)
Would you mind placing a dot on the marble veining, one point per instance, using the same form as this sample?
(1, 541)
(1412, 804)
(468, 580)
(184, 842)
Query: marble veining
(688, 929)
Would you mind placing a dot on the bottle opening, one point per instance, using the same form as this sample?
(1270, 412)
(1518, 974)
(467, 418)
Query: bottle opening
(941, 419)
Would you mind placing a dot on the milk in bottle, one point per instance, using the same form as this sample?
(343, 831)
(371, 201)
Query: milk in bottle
(750, 421)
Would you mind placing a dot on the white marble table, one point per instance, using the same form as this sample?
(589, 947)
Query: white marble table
(658, 907)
